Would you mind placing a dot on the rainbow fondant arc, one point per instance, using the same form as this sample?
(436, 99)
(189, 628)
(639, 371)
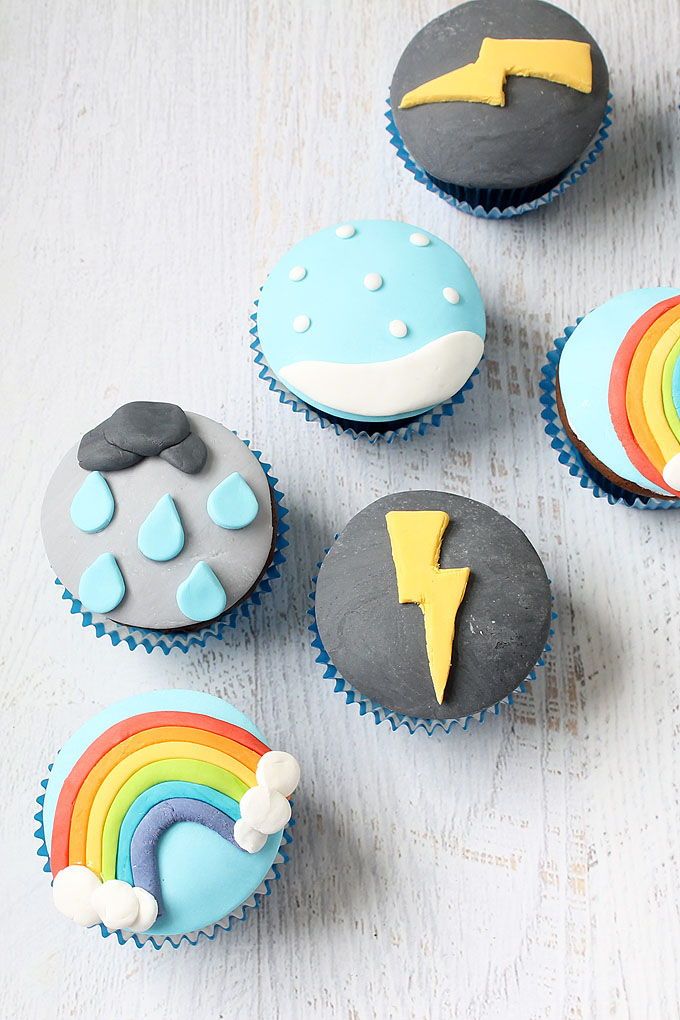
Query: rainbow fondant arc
(619, 390)
(124, 789)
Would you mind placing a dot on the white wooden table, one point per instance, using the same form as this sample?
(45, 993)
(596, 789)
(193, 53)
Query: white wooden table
(156, 157)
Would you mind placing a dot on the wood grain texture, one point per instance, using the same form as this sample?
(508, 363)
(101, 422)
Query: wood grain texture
(156, 157)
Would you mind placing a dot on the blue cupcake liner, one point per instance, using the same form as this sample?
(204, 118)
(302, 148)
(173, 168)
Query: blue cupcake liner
(140, 637)
(567, 454)
(474, 206)
(418, 427)
(368, 707)
(192, 938)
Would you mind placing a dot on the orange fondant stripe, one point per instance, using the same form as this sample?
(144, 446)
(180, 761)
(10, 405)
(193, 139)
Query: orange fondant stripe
(147, 738)
(59, 851)
(634, 433)
(634, 389)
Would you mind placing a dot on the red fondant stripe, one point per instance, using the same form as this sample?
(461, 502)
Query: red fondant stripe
(617, 391)
(111, 738)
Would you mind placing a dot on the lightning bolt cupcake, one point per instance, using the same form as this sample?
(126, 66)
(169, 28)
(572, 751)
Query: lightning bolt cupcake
(163, 816)
(430, 608)
(496, 102)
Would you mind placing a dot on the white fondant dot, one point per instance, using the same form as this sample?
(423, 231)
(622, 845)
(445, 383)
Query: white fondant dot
(345, 231)
(420, 240)
(297, 273)
(451, 295)
(301, 323)
(373, 281)
(398, 328)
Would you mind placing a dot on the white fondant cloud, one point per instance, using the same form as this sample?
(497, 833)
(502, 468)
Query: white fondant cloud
(72, 891)
(248, 838)
(279, 771)
(382, 389)
(265, 808)
(81, 895)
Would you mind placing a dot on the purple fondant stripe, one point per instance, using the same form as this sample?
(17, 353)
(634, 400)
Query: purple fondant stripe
(143, 857)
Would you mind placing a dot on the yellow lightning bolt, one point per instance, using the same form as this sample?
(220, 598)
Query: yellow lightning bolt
(416, 539)
(564, 61)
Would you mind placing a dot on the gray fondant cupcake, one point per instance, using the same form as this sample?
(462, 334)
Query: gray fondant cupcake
(159, 519)
(497, 99)
(431, 607)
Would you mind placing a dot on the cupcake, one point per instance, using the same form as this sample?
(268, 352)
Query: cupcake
(159, 519)
(369, 325)
(430, 608)
(497, 101)
(163, 818)
(615, 388)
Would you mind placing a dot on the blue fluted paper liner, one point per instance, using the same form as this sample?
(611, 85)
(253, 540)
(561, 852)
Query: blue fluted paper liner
(418, 427)
(368, 707)
(192, 938)
(472, 204)
(567, 454)
(140, 637)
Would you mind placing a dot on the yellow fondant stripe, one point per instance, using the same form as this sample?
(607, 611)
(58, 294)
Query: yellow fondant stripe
(416, 538)
(652, 393)
(118, 776)
(168, 770)
(563, 61)
(121, 751)
(635, 408)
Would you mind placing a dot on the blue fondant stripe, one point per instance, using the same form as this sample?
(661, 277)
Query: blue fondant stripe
(157, 795)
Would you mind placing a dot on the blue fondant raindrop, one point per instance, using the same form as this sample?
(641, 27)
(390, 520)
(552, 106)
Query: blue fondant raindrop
(161, 536)
(102, 586)
(92, 506)
(201, 597)
(232, 504)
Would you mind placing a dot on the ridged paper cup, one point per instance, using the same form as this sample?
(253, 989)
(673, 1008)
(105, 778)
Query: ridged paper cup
(500, 204)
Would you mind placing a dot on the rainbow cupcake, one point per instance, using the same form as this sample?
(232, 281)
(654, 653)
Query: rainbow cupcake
(612, 397)
(163, 818)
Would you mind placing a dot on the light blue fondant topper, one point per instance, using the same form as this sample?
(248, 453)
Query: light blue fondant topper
(372, 320)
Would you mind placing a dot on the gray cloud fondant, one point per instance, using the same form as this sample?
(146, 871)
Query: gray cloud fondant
(142, 428)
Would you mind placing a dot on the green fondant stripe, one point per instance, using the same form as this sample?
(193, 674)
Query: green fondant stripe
(185, 769)
(670, 410)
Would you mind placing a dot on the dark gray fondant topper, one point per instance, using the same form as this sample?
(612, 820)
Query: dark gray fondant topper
(543, 128)
(378, 644)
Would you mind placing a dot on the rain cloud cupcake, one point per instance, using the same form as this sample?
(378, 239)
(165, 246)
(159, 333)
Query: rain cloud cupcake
(617, 393)
(159, 519)
(164, 816)
(371, 323)
(431, 607)
(497, 99)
